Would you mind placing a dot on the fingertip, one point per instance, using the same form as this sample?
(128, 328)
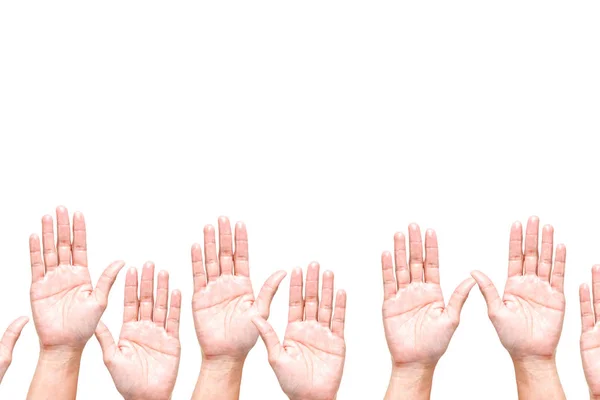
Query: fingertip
(209, 229)
(399, 236)
(583, 288)
(240, 225)
(313, 265)
(148, 265)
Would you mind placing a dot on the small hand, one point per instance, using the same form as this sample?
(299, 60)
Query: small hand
(223, 303)
(418, 325)
(310, 362)
(590, 332)
(7, 344)
(66, 308)
(145, 362)
(530, 315)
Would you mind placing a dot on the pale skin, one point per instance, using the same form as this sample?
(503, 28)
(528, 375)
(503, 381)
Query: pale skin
(66, 307)
(145, 361)
(223, 305)
(8, 341)
(590, 332)
(417, 322)
(310, 361)
(529, 316)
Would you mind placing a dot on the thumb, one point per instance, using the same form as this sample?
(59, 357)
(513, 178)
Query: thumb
(267, 292)
(10, 337)
(489, 291)
(106, 282)
(268, 336)
(107, 343)
(458, 298)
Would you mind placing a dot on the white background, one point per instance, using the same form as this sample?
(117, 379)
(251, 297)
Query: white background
(326, 127)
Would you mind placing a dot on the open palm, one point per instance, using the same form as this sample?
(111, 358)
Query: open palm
(418, 325)
(223, 302)
(66, 308)
(8, 341)
(590, 332)
(145, 361)
(530, 315)
(310, 362)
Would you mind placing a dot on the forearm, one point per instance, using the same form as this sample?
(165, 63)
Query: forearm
(538, 379)
(55, 376)
(410, 382)
(219, 380)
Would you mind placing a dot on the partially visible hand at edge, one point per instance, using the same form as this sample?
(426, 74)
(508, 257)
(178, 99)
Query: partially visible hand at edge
(8, 341)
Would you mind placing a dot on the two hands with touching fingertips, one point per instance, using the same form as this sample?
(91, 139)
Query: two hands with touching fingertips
(66, 307)
(529, 317)
(417, 322)
(145, 362)
(590, 333)
(8, 342)
(310, 361)
(223, 306)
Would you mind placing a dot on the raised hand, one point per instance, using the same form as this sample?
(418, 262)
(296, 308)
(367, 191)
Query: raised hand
(223, 303)
(418, 324)
(145, 362)
(530, 315)
(66, 307)
(310, 362)
(590, 333)
(8, 341)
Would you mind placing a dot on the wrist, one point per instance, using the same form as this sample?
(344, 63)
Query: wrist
(535, 369)
(60, 356)
(222, 364)
(535, 364)
(413, 374)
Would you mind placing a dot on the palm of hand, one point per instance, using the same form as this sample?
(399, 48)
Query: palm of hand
(590, 355)
(531, 322)
(148, 359)
(417, 328)
(313, 360)
(222, 316)
(64, 311)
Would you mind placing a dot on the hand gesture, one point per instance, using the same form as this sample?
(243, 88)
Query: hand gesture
(590, 332)
(7, 344)
(223, 303)
(144, 364)
(530, 315)
(418, 325)
(310, 362)
(66, 308)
